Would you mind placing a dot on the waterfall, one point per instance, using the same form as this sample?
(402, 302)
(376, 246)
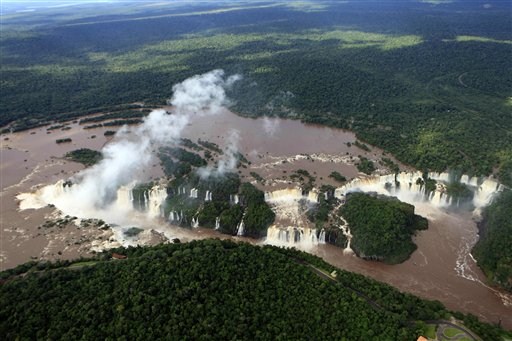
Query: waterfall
(321, 237)
(408, 187)
(208, 196)
(284, 194)
(439, 176)
(465, 179)
(43, 196)
(194, 193)
(172, 216)
(145, 203)
(195, 222)
(176, 217)
(233, 199)
(125, 198)
(155, 198)
(291, 194)
(217, 223)
(346, 231)
(240, 228)
(291, 236)
(291, 227)
(313, 195)
(152, 199)
(486, 191)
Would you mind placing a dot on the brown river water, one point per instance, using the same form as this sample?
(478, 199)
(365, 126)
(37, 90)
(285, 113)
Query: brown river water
(441, 268)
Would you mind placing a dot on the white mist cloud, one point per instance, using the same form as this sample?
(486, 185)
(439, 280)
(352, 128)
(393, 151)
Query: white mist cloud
(270, 125)
(125, 159)
(228, 161)
(130, 154)
(202, 93)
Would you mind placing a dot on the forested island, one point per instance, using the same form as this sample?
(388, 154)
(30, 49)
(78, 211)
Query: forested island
(382, 227)
(207, 289)
(85, 156)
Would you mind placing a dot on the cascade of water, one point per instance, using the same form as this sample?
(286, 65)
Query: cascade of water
(172, 216)
(291, 194)
(445, 177)
(124, 198)
(302, 237)
(208, 196)
(233, 199)
(194, 193)
(466, 180)
(284, 194)
(240, 228)
(313, 195)
(217, 223)
(195, 222)
(346, 231)
(409, 187)
(155, 199)
(321, 237)
(485, 192)
(176, 217)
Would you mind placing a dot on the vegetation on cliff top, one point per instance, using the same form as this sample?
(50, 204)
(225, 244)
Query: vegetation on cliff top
(494, 248)
(208, 289)
(395, 75)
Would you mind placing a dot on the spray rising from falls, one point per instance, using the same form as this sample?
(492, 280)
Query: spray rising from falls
(228, 161)
(104, 190)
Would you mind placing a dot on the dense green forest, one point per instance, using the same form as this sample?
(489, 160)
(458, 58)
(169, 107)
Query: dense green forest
(428, 81)
(382, 227)
(493, 250)
(207, 289)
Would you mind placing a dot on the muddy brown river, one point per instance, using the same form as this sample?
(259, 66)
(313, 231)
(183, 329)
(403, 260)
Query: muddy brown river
(441, 268)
